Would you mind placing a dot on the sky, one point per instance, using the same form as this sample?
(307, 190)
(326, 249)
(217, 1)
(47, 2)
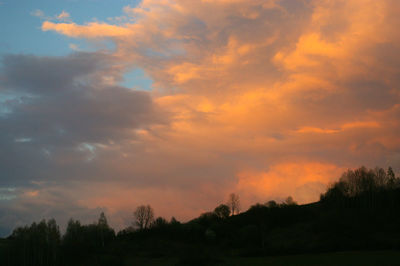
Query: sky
(107, 105)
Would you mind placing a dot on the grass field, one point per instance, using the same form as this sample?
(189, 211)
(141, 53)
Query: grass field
(364, 258)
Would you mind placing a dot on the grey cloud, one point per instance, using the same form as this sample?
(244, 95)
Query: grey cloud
(60, 112)
(55, 115)
(40, 75)
(90, 115)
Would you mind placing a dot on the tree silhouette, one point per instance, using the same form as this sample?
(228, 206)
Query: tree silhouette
(144, 216)
(102, 220)
(364, 187)
(271, 204)
(289, 201)
(234, 203)
(37, 244)
(174, 221)
(160, 222)
(222, 211)
(391, 177)
(105, 230)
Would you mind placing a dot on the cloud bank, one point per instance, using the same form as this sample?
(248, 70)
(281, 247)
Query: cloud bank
(265, 98)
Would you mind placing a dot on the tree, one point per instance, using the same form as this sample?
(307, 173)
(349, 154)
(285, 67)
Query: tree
(74, 241)
(271, 204)
(391, 176)
(174, 221)
(364, 187)
(160, 222)
(222, 211)
(54, 239)
(37, 244)
(289, 201)
(390, 172)
(144, 216)
(103, 227)
(102, 221)
(234, 203)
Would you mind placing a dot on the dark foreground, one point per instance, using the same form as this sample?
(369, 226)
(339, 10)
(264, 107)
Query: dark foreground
(366, 258)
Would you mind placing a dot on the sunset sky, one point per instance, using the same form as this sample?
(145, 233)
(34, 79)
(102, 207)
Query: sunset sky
(109, 104)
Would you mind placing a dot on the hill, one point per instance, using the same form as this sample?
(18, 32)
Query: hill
(360, 212)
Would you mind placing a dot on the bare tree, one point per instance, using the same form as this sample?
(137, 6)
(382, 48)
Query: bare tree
(144, 216)
(234, 203)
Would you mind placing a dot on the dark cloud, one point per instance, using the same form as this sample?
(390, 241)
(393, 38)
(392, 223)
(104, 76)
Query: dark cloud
(59, 113)
(41, 75)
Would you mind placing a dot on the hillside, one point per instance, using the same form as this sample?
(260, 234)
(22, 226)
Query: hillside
(359, 212)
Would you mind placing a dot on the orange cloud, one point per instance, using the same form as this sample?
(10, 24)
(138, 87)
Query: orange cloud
(346, 126)
(303, 181)
(33, 193)
(306, 88)
(91, 30)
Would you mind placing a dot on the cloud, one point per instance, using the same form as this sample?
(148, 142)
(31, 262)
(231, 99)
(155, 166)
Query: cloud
(62, 111)
(65, 117)
(302, 180)
(267, 98)
(38, 13)
(63, 16)
(92, 30)
(74, 47)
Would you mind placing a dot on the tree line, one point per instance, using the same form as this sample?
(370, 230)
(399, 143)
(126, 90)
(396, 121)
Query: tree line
(350, 207)
(43, 244)
(362, 187)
